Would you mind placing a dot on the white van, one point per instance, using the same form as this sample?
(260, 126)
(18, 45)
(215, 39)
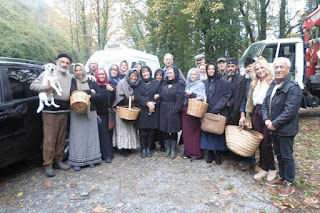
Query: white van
(114, 54)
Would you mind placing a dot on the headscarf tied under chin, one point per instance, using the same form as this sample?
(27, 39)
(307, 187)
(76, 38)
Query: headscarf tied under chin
(197, 87)
(112, 80)
(82, 83)
(96, 75)
(127, 78)
(156, 72)
(216, 72)
(150, 72)
(176, 75)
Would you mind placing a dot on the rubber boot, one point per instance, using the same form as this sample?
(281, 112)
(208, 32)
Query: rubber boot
(149, 145)
(218, 157)
(173, 149)
(143, 146)
(210, 156)
(167, 144)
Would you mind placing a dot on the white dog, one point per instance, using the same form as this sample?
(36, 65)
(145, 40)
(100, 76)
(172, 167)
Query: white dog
(50, 78)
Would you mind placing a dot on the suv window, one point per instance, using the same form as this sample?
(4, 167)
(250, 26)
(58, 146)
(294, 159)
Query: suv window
(20, 80)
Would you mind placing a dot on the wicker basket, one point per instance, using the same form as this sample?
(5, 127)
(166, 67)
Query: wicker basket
(196, 108)
(79, 101)
(128, 112)
(242, 142)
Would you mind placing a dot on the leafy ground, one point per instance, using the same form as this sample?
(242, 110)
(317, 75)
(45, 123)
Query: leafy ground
(160, 184)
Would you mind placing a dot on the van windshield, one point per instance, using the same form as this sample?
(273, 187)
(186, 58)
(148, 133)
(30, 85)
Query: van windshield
(253, 51)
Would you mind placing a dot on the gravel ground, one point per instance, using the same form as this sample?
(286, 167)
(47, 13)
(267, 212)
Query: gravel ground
(133, 184)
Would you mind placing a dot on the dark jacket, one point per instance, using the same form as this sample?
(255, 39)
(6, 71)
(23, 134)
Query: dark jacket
(107, 98)
(238, 89)
(144, 93)
(218, 99)
(95, 98)
(284, 107)
(171, 106)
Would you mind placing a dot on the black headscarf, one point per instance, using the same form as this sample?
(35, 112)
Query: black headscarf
(216, 72)
(156, 72)
(150, 72)
(176, 75)
(127, 78)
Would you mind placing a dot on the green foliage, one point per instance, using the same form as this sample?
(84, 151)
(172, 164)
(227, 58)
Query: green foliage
(25, 34)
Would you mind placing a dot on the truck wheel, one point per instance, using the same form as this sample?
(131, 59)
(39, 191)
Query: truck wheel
(312, 101)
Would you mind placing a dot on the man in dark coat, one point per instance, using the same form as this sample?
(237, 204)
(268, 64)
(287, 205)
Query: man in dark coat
(280, 114)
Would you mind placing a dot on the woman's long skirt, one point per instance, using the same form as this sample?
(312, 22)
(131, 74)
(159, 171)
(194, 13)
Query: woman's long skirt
(125, 134)
(84, 139)
(211, 141)
(191, 133)
(105, 139)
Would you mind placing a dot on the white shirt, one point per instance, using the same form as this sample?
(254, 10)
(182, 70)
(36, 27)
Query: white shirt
(259, 93)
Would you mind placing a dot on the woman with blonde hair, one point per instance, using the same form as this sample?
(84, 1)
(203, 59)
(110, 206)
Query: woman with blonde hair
(262, 79)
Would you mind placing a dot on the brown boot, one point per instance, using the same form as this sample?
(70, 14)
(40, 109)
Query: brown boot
(275, 182)
(287, 189)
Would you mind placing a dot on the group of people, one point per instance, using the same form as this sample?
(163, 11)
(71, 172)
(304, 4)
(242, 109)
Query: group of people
(262, 100)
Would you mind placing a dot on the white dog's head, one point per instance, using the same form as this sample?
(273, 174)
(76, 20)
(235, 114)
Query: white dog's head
(50, 67)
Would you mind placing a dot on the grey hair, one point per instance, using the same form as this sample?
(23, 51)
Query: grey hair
(168, 54)
(283, 59)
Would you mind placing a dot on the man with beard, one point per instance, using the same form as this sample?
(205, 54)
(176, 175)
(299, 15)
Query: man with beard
(55, 120)
(93, 66)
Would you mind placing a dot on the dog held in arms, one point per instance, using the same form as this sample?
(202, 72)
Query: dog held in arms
(51, 79)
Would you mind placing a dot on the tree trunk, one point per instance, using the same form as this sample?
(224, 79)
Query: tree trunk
(246, 21)
(84, 29)
(263, 19)
(282, 19)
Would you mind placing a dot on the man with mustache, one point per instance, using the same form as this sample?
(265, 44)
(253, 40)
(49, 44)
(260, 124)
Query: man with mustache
(55, 120)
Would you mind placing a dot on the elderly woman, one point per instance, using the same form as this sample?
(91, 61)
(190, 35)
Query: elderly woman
(114, 75)
(158, 135)
(125, 135)
(191, 130)
(172, 97)
(218, 94)
(147, 99)
(124, 67)
(84, 137)
(258, 89)
(107, 97)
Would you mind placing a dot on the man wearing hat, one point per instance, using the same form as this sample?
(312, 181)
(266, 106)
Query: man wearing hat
(55, 120)
(199, 59)
(222, 65)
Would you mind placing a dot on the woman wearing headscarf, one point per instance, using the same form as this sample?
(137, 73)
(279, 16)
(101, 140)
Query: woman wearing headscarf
(84, 147)
(107, 97)
(191, 130)
(172, 96)
(158, 135)
(125, 135)
(218, 94)
(114, 75)
(262, 78)
(124, 67)
(147, 99)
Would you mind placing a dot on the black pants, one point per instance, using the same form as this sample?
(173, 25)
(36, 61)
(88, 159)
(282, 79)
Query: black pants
(105, 139)
(170, 136)
(146, 137)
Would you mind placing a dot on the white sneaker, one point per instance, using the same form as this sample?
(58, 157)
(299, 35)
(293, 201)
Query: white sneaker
(271, 175)
(261, 174)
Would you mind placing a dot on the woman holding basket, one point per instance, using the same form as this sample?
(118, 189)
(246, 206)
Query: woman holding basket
(172, 95)
(218, 94)
(125, 135)
(191, 130)
(258, 89)
(147, 98)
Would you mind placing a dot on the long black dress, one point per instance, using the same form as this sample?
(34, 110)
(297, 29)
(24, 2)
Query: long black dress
(106, 146)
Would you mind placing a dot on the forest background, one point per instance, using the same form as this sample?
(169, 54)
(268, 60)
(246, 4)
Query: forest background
(41, 29)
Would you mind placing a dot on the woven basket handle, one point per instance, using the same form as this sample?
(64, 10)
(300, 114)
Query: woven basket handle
(130, 102)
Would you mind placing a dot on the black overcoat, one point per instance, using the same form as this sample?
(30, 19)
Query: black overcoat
(144, 93)
(171, 106)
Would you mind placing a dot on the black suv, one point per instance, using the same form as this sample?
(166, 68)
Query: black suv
(20, 125)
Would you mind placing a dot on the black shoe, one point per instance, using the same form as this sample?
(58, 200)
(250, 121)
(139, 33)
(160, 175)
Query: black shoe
(193, 159)
(62, 166)
(149, 153)
(125, 153)
(143, 153)
(162, 148)
(210, 156)
(218, 158)
(49, 171)
(108, 160)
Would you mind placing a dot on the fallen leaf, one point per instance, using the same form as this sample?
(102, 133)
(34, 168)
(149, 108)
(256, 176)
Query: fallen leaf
(47, 184)
(311, 200)
(73, 185)
(99, 209)
(19, 194)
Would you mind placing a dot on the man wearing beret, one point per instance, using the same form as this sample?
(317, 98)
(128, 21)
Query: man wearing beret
(199, 59)
(55, 120)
